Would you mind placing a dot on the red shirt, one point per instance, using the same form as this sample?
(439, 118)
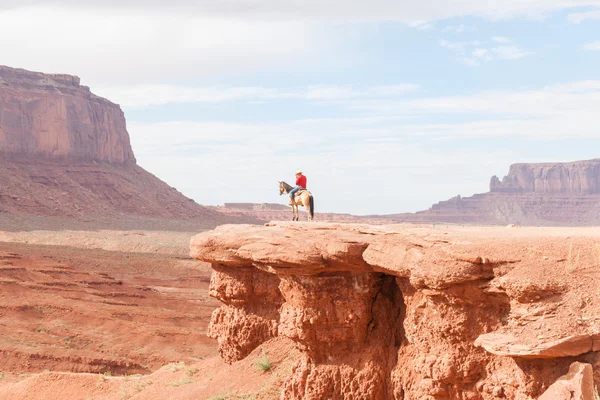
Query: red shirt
(301, 181)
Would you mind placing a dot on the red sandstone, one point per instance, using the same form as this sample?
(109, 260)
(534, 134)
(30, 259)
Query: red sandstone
(408, 312)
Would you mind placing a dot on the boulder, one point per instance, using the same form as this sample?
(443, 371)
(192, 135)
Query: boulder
(577, 384)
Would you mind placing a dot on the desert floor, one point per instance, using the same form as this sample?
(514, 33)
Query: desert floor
(113, 302)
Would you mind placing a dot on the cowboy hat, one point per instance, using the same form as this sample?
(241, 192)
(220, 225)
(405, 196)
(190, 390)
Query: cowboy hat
(298, 172)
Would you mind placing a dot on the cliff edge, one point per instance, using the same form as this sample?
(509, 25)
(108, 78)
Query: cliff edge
(579, 177)
(410, 312)
(65, 153)
(52, 115)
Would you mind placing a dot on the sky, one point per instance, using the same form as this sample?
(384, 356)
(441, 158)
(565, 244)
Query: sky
(388, 106)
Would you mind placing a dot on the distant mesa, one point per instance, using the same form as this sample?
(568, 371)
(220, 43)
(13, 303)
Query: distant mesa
(66, 153)
(579, 177)
(564, 194)
(53, 116)
(256, 206)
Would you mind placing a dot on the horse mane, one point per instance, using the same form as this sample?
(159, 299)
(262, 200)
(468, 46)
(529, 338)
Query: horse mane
(286, 186)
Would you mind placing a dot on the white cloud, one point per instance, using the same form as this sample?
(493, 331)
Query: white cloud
(573, 99)
(151, 41)
(400, 10)
(459, 47)
(461, 28)
(472, 52)
(578, 18)
(392, 90)
(593, 46)
(481, 53)
(420, 25)
(139, 96)
(104, 46)
(510, 52)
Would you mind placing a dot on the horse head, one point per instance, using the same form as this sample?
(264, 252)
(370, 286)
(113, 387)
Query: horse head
(281, 188)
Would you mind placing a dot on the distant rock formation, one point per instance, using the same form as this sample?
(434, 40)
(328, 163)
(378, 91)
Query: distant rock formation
(563, 194)
(256, 206)
(579, 177)
(65, 152)
(54, 116)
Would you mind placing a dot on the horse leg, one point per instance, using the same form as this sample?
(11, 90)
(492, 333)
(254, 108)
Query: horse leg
(307, 206)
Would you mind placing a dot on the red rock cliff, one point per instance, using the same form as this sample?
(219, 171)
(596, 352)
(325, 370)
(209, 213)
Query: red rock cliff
(54, 116)
(65, 153)
(408, 312)
(581, 177)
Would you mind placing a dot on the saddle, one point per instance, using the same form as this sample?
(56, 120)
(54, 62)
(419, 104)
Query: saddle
(299, 192)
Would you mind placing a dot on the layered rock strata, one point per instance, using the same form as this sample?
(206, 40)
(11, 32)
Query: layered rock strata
(573, 177)
(408, 312)
(555, 194)
(52, 115)
(65, 153)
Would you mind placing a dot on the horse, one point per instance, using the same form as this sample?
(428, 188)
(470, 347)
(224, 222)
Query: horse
(303, 199)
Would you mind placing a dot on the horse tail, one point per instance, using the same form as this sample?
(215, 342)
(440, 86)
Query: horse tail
(312, 206)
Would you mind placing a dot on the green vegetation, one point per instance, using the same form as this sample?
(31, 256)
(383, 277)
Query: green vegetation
(263, 362)
(183, 381)
(232, 396)
(174, 367)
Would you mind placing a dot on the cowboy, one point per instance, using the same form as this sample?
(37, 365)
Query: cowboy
(300, 183)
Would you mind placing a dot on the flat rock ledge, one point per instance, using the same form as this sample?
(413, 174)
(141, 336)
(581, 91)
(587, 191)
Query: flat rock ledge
(409, 311)
(570, 346)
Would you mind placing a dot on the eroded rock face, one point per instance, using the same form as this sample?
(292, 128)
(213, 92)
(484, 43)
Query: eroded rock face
(54, 116)
(65, 153)
(549, 194)
(577, 384)
(408, 312)
(250, 314)
(572, 177)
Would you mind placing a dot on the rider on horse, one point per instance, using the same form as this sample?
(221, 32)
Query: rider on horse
(300, 183)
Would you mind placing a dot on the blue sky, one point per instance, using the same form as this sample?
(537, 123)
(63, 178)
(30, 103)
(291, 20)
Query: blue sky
(388, 106)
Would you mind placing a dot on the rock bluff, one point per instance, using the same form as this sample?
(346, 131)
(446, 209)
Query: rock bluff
(65, 153)
(53, 116)
(409, 312)
(582, 177)
(551, 194)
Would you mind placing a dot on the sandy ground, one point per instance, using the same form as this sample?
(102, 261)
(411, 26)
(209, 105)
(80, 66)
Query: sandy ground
(116, 315)
(137, 241)
(108, 314)
(104, 301)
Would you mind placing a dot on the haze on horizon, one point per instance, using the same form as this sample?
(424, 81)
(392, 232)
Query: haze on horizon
(387, 106)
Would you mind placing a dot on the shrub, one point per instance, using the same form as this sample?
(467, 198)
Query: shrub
(174, 367)
(183, 381)
(263, 362)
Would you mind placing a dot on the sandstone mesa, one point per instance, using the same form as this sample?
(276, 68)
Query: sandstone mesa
(66, 153)
(409, 312)
(546, 194)
(52, 115)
